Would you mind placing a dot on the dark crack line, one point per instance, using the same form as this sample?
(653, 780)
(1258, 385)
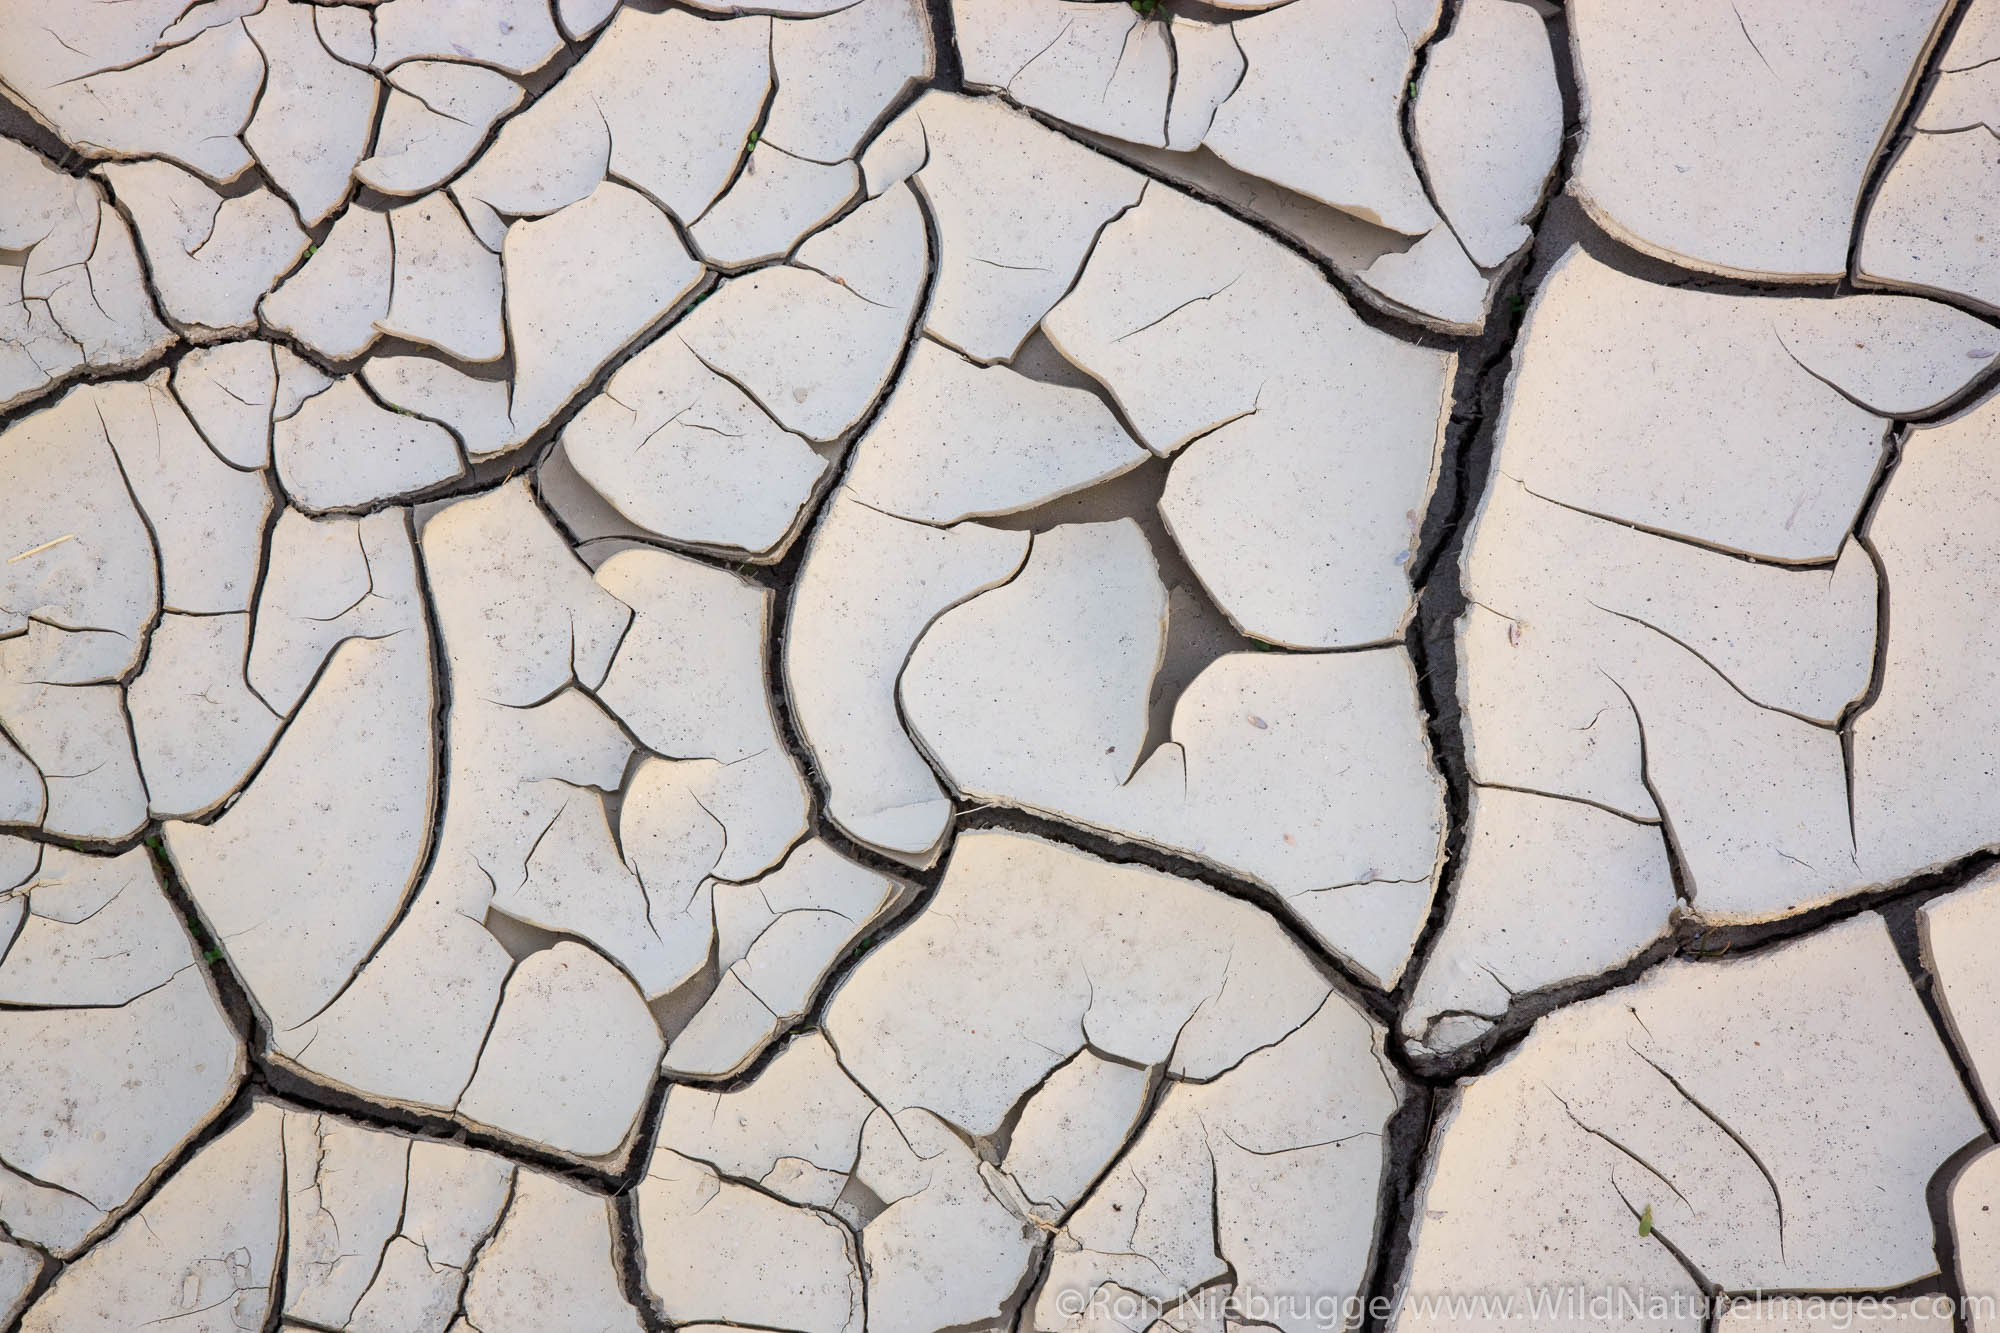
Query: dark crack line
(1777, 1197)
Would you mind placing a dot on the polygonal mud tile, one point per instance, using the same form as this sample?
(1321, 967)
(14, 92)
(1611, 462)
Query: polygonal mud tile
(83, 574)
(1228, 351)
(1619, 651)
(1924, 230)
(776, 940)
(872, 1125)
(1780, 425)
(662, 101)
(340, 449)
(515, 36)
(1322, 117)
(437, 116)
(570, 1055)
(228, 391)
(1263, 92)
(1974, 1210)
(958, 440)
(1429, 280)
(688, 682)
(685, 454)
(554, 1251)
(301, 877)
(474, 406)
(334, 301)
(776, 199)
(211, 258)
(1954, 930)
(168, 80)
(1756, 170)
(117, 1047)
(197, 726)
(75, 297)
(1487, 124)
(1104, 68)
(1681, 1117)
(839, 74)
(445, 289)
(870, 585)
(1309, 773)
(581, 284)
(1008, 247)
(761, 1263)
(315, 114)
(207, 516)
(1924, 783)
(815, 341)
(362, 1230)
(202, 1254)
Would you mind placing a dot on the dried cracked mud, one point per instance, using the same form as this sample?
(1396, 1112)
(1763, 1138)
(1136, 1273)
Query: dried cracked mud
(1156, 667)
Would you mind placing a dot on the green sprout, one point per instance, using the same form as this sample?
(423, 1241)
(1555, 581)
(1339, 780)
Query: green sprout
(210, 952)
(1646, 1222)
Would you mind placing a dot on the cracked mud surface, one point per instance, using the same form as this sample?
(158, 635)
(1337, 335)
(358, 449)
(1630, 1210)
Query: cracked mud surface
(1013, 665)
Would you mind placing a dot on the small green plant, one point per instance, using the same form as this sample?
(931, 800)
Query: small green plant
(1145, 9)
(210, 953)
(1646, 1222)
(312, 249)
